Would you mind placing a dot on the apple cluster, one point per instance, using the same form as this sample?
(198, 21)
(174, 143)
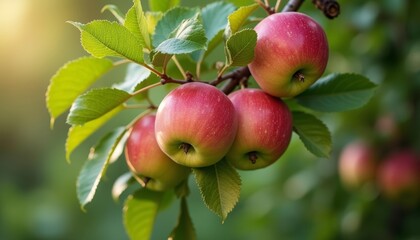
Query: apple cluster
(196, 125)
(396, 174)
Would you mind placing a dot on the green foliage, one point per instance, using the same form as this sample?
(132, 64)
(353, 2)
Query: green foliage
(103, 38)
(214, 18)
(184, 230)
(238, 18)
(338, 92)
(136, 23)
(140, 211)
(313, 133)
(95, 103)
(148, 42)
(71, 80)
(121, 184)
(188, 37)
(220, 187)
(170, 22)
(162, 5)
(96, 165)
(77, 134)
(114, 11)
(240, 47)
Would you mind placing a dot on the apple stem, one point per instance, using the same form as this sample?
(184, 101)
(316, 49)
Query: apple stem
(145, 181)
(185, 147)
(252, 156)
(299, 76)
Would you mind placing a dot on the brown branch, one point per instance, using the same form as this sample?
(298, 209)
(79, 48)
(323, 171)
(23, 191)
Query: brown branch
(330, 8)
(292, 5)
(236, 77)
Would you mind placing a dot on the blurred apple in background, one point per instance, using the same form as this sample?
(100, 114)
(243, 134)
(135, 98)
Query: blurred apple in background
(399, 175)
(357, 164)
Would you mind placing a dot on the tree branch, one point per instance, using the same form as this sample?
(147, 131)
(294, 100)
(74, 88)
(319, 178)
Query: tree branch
(292, 5)
(330, 8)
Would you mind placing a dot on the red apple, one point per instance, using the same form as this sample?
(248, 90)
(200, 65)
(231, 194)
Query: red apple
(399, 174)
(290, 55)
(264, 129)
(148, 162)
(357, 164)
(196, 124)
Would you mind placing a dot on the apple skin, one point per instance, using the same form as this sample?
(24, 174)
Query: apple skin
(264, 129)
(199, 116)
(399, 175)
(147, 161)
(357, 164)
(289, 44)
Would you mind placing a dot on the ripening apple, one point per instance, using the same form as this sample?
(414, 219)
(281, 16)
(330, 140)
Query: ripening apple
(399, 174)
(357, 164)
(290, 55)
(264, 129)
(145, 159)
(196, 124)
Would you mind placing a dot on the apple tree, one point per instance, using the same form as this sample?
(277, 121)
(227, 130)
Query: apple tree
(216, 117)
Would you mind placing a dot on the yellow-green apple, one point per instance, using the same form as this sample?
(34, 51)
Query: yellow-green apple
(290, 55)
(151, 166)
(196, 124)
(357, 164)
(264, 129)
(399, 175)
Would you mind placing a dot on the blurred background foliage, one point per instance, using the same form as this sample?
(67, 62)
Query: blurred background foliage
(299, 197)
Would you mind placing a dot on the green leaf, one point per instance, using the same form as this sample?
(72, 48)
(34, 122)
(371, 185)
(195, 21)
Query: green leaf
(160, 59)
(240, 3)
(114, 11)
(162, 5)
(214, 17)
(170, 22)
(140, 211)
(152, 19)
(136, 23)
(121, 184)
(71, 80)
(146, 82)
(313, 133)
(95, 103)
(184, 230)
(238, 18)
(79, 133)
(240, 47)
(135, 74)
(95, 167)
(188, 37)
(103, 38)
(220, 187)
(338, 92)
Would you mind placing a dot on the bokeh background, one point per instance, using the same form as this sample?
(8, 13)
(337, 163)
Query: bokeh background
(300, 197)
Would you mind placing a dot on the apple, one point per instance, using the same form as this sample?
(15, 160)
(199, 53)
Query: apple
(264, 129)
(151, 166)
(357, 164)
(290, 55)
(196, 124)
(399, 175)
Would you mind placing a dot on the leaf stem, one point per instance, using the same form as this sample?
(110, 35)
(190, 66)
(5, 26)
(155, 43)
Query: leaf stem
(277, 6)
(156, 72)
(134, 106)
(146, 88)
(179, 66)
